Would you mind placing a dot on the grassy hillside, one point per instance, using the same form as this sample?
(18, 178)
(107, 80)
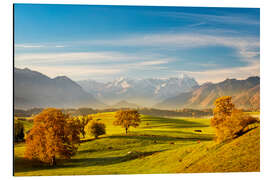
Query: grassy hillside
(158, 145)
(240, 155)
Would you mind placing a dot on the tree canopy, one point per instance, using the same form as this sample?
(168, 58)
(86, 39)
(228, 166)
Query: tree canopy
(54, 134)
(96, 128)
(228, 121)
(127, 118)
(83, 121)
(18, 131)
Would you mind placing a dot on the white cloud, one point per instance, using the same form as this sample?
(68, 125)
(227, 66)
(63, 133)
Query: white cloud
(59, 46)
(90, 57)
(31, 46)
(28, 46)
(79, 65)
(149, 63)
(68, 56)
(246, 46)
(180, 40)
(223, 19)
(218, 75)
(76, 72)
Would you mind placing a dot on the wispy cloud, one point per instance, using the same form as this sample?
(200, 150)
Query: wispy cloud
(181, 40)
(28, 46)
(68, 56)
(97, 72)
(150, 63)
(224, 19)
(79, 65)
(196, 24)
(247, 47)
(59, 46)
(77, 72)
(218, 75)
(31, 46)
(90, 57)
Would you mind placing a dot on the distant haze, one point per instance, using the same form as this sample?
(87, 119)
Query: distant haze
(147, 91)
(34, 89)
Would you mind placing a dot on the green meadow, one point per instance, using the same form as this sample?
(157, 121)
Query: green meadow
(158, 145)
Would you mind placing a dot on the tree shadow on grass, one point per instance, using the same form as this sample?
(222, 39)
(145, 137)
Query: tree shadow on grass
(180, 135)
(163, 138)
(171, 123)
(87, 151)
(109, 160)
(24, 165)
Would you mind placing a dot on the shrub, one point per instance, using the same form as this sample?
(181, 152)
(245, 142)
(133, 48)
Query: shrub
(21, 119)
(96, 129)
(18, 131)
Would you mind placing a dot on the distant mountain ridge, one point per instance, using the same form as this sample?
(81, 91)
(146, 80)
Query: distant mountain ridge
(125, 104)
(33, 89)
(245, 93)
(140, 91)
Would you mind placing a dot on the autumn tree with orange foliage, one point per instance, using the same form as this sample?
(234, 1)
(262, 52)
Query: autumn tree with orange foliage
(54, 135)
(228, 121)
(127, 118)
(83, 121)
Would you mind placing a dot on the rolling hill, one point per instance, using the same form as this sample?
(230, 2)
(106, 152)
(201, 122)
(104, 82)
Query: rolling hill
(33, 89)
(240, 155)
(158, 145)
(245, 93)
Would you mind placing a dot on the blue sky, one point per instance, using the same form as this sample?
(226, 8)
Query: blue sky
(106, 42)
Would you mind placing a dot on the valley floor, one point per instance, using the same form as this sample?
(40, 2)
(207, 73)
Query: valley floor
(158, 145)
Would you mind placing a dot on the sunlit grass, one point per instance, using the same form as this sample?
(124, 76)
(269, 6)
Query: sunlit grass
(158, 145)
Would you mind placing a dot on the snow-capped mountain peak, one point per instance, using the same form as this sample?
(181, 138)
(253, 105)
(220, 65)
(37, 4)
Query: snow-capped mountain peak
(125, 85)
(151, 89)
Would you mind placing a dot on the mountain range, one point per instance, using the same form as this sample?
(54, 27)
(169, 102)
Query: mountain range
(33, 89)
(245, 94)
(140, 91)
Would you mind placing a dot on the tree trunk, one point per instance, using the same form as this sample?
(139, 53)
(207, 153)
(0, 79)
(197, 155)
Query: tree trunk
(83, 133)
(53, 161)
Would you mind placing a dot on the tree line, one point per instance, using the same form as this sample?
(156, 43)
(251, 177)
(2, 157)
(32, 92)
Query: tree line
(184, 112)
(56, 134)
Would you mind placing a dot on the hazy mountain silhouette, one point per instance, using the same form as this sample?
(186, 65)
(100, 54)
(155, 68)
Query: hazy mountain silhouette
(33, 89)
(124, 104)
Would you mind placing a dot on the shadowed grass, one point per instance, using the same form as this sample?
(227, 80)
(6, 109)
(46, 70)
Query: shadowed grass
(158, 145)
